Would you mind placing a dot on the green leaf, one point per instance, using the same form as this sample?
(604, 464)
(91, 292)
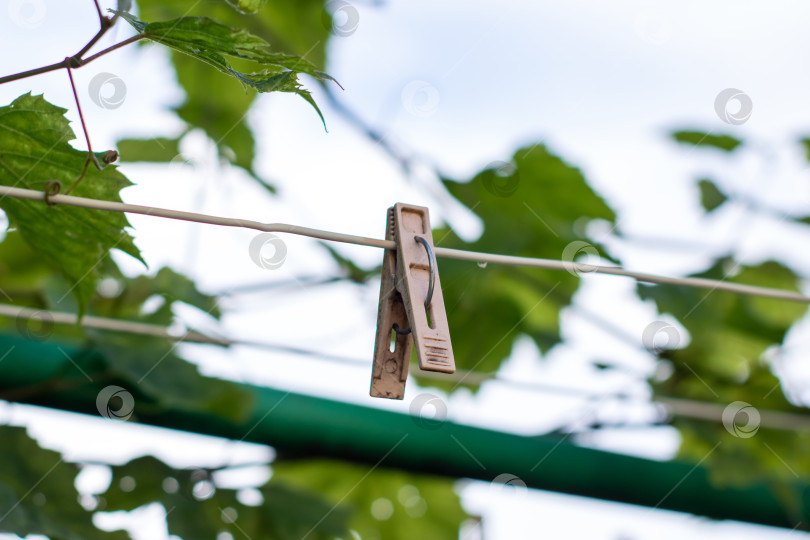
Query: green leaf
(176, 287)
(699, 138)
(724, 363)
(533, 207)
(198, 509)
(132, 293)
(247, 6)
(23, 273)
(805, 142)
(147, 366)
(34, 149)
(293, 26)
(729, 332)
(150, 364)
(150, 367)
(290, 513)
(223, 120)
(710, 196)
(407, 506)
(37, 494)
(349, 268)
(210, 42)
(25, 279)
(159, 149)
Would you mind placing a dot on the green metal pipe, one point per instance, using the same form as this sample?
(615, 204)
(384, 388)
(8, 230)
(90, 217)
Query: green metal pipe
(304, 426)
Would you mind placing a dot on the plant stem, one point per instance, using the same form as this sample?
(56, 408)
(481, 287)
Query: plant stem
(105, 25)
(127, 41)
(77, 59)
(90, 156)
(72, 61)
(78, 106)
(100, 15)
(32, 72)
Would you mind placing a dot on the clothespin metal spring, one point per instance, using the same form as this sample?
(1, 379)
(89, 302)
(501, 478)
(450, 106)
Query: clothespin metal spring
(431, 282)
(432, 265)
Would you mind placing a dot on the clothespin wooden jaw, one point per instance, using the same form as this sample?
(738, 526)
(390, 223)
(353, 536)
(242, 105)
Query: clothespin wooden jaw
(411, 304)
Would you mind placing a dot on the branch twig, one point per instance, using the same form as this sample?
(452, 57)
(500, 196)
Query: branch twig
(101, 16)
(79, 107)
(90, 156)
(76, 61)
(72, 61)
(127, 41)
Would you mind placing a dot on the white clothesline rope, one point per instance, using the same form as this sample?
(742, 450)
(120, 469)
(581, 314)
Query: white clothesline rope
(687, 408)
(46, 318)
(448, 253)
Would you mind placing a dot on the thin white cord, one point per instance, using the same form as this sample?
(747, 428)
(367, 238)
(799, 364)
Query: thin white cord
(448, 253)
(46, 317)
(688, 408)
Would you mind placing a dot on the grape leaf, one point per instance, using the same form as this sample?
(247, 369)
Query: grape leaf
(247, 6)
(724, 363)
(196, 508)
(348, 268)
(729, 332)
(294, 26)
(210, 42)
(34, 149)
(406, 506)
(699, 138)
(159, 149)
(148, 366)
(128, 302)
(223, 120)
(532, 207)
(23, 273)
(151, 365)
(37, 494)
(710, 195)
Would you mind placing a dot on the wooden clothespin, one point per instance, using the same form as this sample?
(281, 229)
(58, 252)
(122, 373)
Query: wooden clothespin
(411, 303)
